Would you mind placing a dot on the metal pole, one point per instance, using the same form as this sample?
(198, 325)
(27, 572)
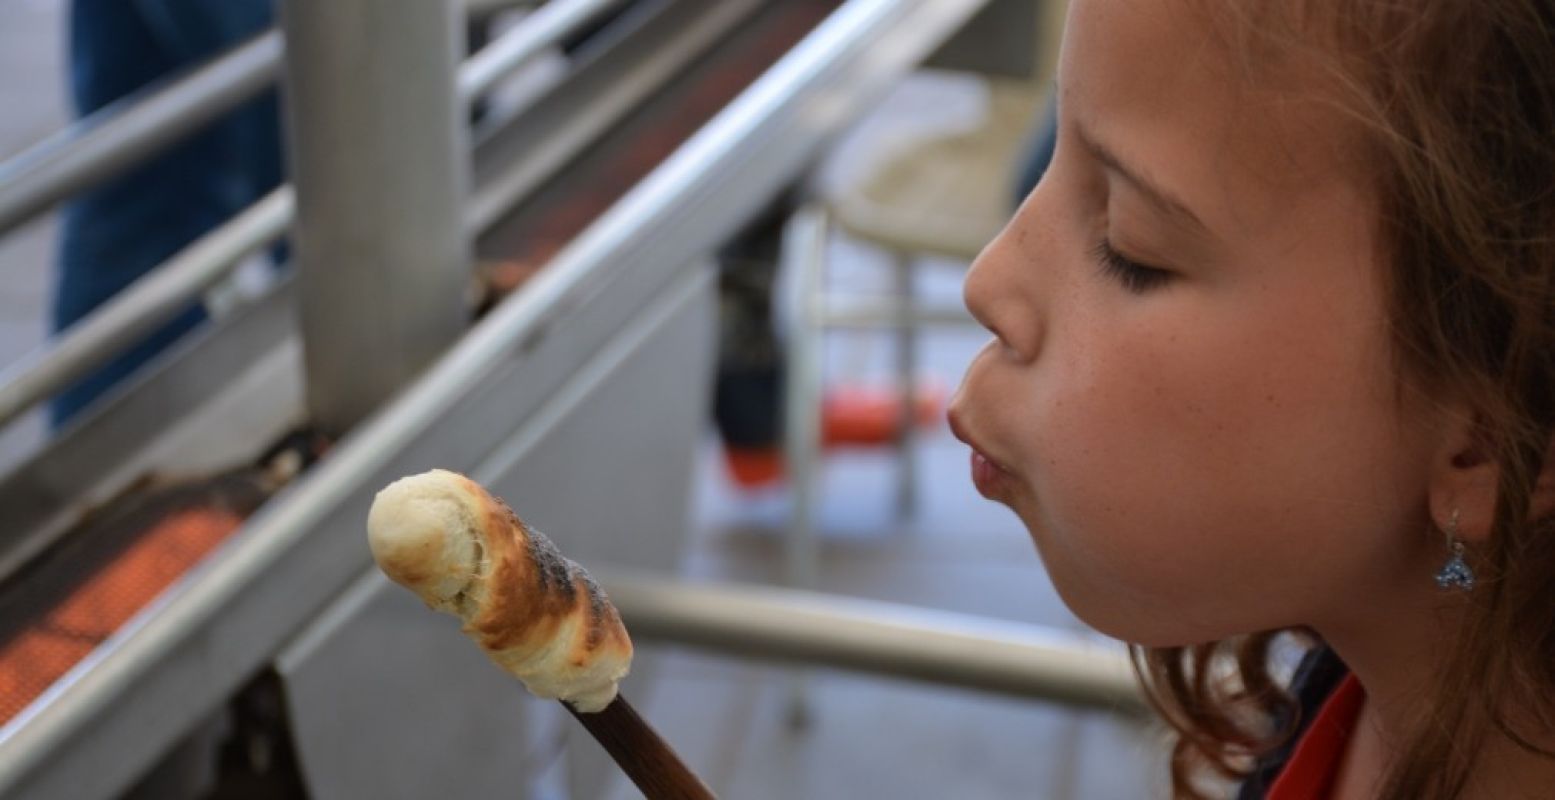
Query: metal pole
(872, 313)
(123, 135)
(379, 159)
(804, 253)
(906, 367)
(884, 638)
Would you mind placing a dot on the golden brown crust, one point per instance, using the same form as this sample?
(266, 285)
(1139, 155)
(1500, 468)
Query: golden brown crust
(535, 613)
(532, 589)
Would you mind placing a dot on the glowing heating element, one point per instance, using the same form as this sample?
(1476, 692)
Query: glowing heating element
(43, 652)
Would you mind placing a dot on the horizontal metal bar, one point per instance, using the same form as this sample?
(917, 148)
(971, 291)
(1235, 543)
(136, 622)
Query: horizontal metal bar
(179, 657)
(608, 88)
(160, 294)
(147, 303)
(541, 29)
(121, 135)
(884, 313)
(768, 623)
(167, 424)
(482, 8)
(124, 134)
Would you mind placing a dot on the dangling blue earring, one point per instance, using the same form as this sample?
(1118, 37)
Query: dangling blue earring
(1455, 574)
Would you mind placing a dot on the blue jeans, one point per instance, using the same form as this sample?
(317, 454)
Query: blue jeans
(121, 229)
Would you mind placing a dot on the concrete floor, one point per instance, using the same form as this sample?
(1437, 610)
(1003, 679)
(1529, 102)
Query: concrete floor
(867, 737)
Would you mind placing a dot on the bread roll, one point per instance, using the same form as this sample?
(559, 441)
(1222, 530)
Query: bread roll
(535, 613)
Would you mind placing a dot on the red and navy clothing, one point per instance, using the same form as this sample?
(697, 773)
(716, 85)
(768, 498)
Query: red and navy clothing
(1329, 701)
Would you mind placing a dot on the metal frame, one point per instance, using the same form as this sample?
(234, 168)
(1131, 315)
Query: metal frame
(105, 144)
(99, 454)
(160, 294)
(156, 297)
(123, 135)
(181, 657)
(163, 420)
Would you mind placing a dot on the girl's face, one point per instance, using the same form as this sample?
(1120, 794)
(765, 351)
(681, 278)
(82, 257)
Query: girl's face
(1217, 444)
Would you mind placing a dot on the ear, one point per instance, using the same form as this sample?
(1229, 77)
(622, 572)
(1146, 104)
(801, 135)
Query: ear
(1464, 478)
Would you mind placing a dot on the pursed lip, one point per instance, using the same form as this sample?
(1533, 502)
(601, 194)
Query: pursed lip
(958, 428)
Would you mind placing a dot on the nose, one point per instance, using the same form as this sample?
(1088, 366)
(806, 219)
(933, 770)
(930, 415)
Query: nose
(997, 295)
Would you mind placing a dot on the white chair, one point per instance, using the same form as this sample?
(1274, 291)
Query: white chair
(945, 195)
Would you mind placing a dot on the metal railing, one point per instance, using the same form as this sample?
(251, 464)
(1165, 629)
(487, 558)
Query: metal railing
(123, 135)
(55, 169)
(922, 644)
(154, 298)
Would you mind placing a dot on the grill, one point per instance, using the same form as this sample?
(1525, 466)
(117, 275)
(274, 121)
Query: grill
(119, 559)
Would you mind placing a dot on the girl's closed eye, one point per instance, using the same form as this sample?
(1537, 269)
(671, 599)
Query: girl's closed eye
(1135, 277)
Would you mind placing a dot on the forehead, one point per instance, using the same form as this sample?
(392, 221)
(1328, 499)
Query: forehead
(1188, 90)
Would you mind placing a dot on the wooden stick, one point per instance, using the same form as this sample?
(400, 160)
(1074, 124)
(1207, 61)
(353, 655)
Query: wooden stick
(641, 754)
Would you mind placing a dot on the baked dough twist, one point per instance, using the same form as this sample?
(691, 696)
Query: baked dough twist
(537, 614)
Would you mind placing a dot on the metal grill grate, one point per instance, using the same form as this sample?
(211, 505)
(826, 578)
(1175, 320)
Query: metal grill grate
(62, 607)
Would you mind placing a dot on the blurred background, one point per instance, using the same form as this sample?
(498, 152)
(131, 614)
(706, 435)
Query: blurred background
(680, 280)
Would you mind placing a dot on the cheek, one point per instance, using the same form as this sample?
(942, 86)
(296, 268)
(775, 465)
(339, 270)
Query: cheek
(1196, 477)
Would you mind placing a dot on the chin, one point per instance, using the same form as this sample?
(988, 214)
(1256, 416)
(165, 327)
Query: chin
(1143, 629)
(1133, 633)
(1147, 624)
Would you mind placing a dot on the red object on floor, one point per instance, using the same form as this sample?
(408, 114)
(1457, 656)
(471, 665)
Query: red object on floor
(868, 415)
(1314, 766)
(850, 417)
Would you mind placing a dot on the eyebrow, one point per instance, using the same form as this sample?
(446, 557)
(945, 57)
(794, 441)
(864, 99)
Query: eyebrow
(1159, 197)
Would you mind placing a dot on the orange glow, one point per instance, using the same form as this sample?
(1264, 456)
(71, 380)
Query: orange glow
(41, 654)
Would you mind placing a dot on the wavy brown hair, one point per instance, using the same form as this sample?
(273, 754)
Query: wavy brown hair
(1455, 101)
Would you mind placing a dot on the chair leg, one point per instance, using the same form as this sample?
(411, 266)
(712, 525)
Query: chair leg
(804, 250)
(906, 366)
(803, 256)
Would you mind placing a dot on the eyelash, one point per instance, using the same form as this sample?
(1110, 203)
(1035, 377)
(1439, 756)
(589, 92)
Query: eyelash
(1135, 277)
